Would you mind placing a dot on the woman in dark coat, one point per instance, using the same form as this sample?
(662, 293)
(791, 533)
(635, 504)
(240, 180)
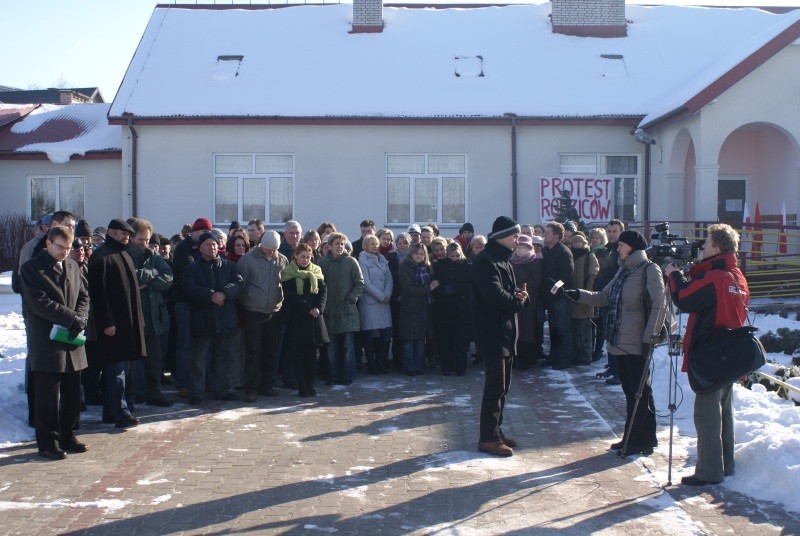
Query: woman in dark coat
(527, 268)
(416, 287)
(451, 309)
(304, 297)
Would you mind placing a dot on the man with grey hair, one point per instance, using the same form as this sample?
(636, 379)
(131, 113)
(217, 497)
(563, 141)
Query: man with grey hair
(262, 299)
(292, 232)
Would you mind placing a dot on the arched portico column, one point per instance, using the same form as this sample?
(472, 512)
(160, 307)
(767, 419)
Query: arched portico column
(675, 186)
(705, 192)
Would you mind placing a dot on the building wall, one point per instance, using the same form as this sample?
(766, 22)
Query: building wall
(102, 185)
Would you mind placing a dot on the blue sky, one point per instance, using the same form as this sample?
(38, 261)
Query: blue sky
(89, 43)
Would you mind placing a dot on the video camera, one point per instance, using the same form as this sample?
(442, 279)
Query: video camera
(666, 248)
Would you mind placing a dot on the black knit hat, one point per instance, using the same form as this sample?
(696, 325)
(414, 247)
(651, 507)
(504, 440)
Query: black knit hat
(206, 236)
(634, 239)
(467, 227)
(502, 227)
(82, 229)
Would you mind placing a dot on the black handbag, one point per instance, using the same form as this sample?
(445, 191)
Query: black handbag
(724, 357)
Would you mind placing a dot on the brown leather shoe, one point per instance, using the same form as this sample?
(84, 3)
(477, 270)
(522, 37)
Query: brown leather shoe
(510, 441)
(495, 448)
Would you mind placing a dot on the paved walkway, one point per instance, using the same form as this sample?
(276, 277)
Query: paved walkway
(387, 455)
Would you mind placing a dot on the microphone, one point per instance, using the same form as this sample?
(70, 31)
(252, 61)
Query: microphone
(558, 284)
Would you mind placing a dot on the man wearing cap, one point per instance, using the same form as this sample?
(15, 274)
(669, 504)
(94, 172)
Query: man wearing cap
(496, 300)
(262, 299)
(115, 318)
(557, 265)
(98, 237)
(212, 284)
(414, 231)
(186, 252)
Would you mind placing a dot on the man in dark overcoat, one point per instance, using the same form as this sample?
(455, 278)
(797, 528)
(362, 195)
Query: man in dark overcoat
(496, 300)
(55, 293)
(115, 318)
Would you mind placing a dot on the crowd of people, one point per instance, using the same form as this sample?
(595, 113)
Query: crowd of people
(239, 314)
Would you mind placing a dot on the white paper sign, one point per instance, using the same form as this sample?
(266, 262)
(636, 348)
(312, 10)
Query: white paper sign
(592, 197)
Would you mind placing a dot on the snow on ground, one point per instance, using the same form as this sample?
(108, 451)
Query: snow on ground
(767, 427)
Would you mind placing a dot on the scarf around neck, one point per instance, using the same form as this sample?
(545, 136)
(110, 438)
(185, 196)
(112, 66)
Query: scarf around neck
(313, 273)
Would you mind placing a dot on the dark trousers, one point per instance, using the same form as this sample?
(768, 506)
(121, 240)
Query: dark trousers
(558, 318)
(643, 433)
(495, 389)
(52, 417)
(582, 341)
(153, 366)
(599, 330)
(262, 334)
(116, 404)
(91, 376)
(453, 346)
(306, 357)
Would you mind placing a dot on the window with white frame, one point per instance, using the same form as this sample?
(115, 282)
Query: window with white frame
(51, 193)
(253, 186)
(621, 170)
(428, 188)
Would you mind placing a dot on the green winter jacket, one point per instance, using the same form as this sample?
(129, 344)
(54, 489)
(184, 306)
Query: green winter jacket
(345, 285)
(155, 277)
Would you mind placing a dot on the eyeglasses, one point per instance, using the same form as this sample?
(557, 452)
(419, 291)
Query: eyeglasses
(60, 247)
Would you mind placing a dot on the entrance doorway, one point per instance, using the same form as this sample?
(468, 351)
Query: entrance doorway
(731, 195)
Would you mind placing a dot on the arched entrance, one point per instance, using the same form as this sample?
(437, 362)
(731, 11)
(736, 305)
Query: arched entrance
(681, 176)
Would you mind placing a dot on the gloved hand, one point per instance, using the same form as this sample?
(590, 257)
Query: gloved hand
(572, 293)
(645, 349)
(78, 325)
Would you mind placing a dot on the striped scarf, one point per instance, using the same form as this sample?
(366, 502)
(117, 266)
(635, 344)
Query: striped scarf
(614, 319)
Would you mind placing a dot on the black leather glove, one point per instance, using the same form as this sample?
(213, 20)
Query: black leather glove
(572, 294)
(78, 325)
(645, 349)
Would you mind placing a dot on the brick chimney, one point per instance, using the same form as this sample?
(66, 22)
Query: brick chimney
(589, 18)
(367, 16)
(65, 96)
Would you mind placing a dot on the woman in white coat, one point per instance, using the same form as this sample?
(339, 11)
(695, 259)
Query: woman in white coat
(373, 306)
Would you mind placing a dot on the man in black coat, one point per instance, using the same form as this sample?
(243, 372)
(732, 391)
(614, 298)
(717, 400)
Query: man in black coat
(54, 290)
(607, 258)
(185, 253)
(557, 265)
(496, 300)
(213, 285)
(115, 318)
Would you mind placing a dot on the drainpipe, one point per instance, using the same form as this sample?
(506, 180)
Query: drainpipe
(643, 137)
(134, 151)
(513, 118)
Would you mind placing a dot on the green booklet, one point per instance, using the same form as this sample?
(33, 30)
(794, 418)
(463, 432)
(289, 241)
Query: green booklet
(61, 334)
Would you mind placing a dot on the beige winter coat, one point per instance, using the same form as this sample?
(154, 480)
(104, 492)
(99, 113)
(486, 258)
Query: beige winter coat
(632, 332)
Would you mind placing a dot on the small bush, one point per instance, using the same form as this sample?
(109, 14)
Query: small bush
(15, 230)
(785, 340)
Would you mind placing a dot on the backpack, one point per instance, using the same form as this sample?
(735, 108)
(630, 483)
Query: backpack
(668, 325)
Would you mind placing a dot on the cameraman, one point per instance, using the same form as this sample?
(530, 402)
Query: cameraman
(715, 295)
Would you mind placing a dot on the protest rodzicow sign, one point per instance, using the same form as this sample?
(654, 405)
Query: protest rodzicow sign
(592, 197)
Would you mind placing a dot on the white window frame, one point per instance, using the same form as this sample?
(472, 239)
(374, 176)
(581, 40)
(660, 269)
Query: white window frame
(78, 214)
(241, 177)
(601, 159)
(438, 176)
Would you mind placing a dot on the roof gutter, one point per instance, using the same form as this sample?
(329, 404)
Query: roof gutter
(513, 118)
(643, 137)
(134, 154)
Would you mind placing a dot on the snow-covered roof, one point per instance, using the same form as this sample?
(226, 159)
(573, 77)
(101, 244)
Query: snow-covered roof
(302, 62)
(63, 131)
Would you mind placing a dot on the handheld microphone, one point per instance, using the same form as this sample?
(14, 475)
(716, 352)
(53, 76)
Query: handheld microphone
(556, 287)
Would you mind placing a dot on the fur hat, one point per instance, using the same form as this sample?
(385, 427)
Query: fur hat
(503, 227)
(634, 239)
(271, 240)
(201, 224)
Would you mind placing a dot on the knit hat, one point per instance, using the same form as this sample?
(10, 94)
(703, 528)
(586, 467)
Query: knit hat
(413, 228)
(99, 231)
(634, 239)
(234, 225)
(82, 229)
(569, 226)
(121, 225)
(206, 236)
(271, 240)
(47, 219)
(155, 238)
(525, 240)
(466, 227)
(201, 224)
(503, 227)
